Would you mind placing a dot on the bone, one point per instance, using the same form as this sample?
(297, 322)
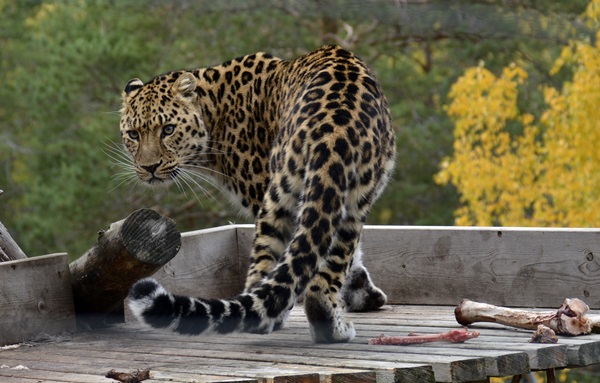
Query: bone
(569, 319)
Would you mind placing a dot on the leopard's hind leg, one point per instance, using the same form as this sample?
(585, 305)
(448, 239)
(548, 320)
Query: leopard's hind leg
(323, 301)
(359, 292)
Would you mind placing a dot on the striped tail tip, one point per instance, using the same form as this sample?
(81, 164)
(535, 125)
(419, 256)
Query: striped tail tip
(151, 304)
(154, 306)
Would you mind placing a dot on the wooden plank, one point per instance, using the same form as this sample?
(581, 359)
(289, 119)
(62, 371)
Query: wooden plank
(99, 362)
(359, 377)
(245, 239)
(263, 374)
(14, 379)
(540, 357)
(509, 266)
(583, 354)
(61, 376)
(207, 265)
(107, 354)
(494, 341)
(99, 365)
(186, 377)
(36, 298)
(242, 357)
(291, 350)
(302, 349)
(146, 348)
(187, 374)
(502, 266)
(498, 362)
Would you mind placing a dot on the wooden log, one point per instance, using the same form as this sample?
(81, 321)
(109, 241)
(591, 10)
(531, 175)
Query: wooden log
(129, 250)
(9, 250)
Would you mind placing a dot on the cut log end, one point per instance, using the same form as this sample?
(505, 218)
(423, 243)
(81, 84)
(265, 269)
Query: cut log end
(150, 237)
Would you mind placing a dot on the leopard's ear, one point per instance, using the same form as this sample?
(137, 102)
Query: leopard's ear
(185, 85)
(132, 85)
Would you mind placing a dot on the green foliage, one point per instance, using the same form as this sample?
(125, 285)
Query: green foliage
(63, 64)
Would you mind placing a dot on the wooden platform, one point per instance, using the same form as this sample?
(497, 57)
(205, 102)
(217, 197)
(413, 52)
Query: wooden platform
(290, 356)
(425, 271)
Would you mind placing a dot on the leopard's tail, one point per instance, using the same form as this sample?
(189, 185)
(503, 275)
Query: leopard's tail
(156, 307)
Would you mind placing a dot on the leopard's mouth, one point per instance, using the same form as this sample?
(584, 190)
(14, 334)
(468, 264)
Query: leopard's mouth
(155, 178)
(157, 181)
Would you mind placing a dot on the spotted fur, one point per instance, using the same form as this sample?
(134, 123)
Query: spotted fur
(305, 145)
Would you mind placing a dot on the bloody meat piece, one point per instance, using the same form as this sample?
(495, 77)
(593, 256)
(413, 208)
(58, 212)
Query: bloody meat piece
(543, 334)
(454, 336)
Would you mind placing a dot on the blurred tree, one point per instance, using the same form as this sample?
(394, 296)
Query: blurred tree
(513, 170)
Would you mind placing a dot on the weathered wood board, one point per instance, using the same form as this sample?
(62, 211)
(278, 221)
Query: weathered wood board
(518, 267)
(35, 298)
(208, 263)
(289, 355)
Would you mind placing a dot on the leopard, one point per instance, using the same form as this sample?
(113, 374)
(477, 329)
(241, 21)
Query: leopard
(306, 145)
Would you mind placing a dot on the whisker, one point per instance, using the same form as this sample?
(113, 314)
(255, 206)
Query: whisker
(193, 168)
(117, 150)
(122, 176)
(177, 182)
(111, 112)
(119, 157)
(129, 180)
(122, 160)
(183, 180)
(188, 177)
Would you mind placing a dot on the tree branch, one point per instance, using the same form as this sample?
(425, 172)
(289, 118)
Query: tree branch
(9, 250)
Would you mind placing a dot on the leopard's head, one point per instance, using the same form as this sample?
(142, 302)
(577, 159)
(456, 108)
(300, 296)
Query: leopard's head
(162, 126)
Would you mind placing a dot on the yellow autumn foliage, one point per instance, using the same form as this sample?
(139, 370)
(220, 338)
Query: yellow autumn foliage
(513, 170)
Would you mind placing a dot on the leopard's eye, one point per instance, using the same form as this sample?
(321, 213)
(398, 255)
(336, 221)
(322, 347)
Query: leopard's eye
(133, 134)
(167, 130)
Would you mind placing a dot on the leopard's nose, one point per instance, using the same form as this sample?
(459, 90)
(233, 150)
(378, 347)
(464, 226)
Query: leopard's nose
(151, 168)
